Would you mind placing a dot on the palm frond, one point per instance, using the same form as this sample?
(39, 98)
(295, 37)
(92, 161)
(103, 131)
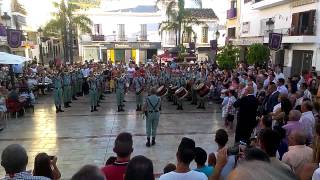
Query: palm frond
(83, 23)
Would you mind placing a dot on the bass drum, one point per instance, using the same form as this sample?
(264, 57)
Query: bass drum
(181, 93)
(202, 89)
(162, 91)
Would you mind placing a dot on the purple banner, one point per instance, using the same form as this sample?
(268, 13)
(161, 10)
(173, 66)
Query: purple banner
(3, 30)
(213, 44)
(14, 38)
(275, 40)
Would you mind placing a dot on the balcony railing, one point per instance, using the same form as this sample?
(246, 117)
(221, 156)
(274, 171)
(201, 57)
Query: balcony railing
(303, 31)
(283, 31)
(232, 13)
(97, 38)
(263, 4)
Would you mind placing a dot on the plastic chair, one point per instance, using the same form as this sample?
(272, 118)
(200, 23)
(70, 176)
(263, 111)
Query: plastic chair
(13, 107)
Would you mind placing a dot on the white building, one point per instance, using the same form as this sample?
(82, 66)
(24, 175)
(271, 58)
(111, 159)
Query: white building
(295, 19)
(122, 34)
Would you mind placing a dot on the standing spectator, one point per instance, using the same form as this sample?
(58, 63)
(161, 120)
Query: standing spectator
(299, 154)
(185, 155)
(14, 160)
(140, 168)
(88, 172)
(307, 119)
(123, 148)
(200, 159)
(168, 168)
(293, 123)
(231, 111)
(271, 99)
(306, 93)
(46, 166)
(3, 108)
(247, 116)
(224, 104)
(303, 78)
(281, 87)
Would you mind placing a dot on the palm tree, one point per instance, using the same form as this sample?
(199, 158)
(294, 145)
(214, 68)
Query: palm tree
(64, 23)
(178, 18)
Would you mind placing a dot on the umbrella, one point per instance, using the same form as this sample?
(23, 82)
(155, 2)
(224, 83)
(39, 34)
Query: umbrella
(6, 58)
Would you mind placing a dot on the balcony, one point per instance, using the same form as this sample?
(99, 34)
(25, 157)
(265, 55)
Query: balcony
(264, 4)
(232, 13)
(97, 38)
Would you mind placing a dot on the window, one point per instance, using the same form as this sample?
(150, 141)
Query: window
(303, 23)
(233, 4)
(121, 32)
(143, 34)
(205, 34)
(246, 27)
(232, 33)
(98, 29)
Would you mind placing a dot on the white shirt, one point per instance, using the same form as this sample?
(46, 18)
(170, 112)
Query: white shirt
(279, 76)
(191, 175)
(307, 121)
(316, 174)
(85, 72)
(307, 94)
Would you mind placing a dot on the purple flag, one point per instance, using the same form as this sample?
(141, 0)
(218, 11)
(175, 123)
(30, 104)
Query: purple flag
(275, 40)
(3, 30)
(14, 38)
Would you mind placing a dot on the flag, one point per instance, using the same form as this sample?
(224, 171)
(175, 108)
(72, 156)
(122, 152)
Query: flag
(275, 40)
(14, 38)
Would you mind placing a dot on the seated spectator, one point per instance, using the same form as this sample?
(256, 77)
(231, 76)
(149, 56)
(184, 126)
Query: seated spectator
(200, 159)
(46, 166)
(14, 160)
(88, 172)
(14, 94)
(293, 123)
(269, 141)
(185, 155)
(123, 148)
(299, 154)
(307, 120)
(212, 160)
(168, 168)
(140, 168)
(111, 160)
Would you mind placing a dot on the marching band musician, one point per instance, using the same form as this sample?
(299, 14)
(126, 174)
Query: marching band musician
(66, 88)
(57, 83)
(93, 92)
(79, 82)
(151, 109)
(202, 79)
(181, 82)
(139, 84)
(120, 90)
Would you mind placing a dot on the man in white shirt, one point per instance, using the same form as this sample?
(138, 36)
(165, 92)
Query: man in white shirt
(278, 74)
(281, 87)
(185, 155)
(307, 119)
(306, 93)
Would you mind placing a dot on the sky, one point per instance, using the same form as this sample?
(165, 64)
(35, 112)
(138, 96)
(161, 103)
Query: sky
(39, 11)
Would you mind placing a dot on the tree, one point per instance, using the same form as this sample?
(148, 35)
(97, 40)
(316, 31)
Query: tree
(178, 19)
(17, 7)
(227, 58)
(64, 23)
(258, 54)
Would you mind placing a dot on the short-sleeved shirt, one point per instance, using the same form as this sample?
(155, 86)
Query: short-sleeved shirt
(24, 176)
(191, 175)
(116, 171)
(207, 170)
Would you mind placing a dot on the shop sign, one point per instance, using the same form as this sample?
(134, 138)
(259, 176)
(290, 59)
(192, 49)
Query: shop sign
(247, 41)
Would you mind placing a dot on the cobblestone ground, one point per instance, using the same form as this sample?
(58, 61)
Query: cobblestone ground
(78, 137)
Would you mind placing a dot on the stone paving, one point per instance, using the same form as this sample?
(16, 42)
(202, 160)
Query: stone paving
(78, 137)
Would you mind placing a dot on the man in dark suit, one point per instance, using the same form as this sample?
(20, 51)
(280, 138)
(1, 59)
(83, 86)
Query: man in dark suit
(271, 99)
(246, 116)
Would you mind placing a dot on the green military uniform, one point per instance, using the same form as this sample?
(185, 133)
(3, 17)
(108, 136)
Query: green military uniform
(57, 82)
(139, 86)
(79, 83)
(152, 105)
(181, 82)
(120, 90)
(74, 85)
(93, 93)
(67, 90)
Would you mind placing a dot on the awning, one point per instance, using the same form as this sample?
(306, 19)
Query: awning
(6, 58)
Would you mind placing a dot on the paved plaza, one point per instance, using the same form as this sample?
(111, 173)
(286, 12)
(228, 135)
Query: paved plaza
(78, 137)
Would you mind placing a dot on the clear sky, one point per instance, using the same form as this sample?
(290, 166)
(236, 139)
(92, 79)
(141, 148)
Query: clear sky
(39, 11)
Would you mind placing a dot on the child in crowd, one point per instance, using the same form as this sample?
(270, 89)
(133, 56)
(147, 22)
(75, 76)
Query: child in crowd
(168, 168)
(231, 111)
(224, 105)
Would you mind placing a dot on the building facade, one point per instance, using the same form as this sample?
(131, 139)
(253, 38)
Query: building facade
(296, 20)
(123, 34)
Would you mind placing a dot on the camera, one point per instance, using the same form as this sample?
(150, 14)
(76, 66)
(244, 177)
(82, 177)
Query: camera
(236, 149)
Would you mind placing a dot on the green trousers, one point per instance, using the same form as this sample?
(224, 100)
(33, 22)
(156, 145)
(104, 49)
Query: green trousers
(93, 97)
(74, 90)
(152, 122)
(79, 86)
(57, 96)
(67, 94)
(120, 96)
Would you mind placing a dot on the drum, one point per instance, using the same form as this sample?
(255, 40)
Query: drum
(202, 89)
(181, 93)
(162, 91)
(173, 88)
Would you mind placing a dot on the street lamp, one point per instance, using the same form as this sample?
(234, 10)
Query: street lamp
(40, 31)
(270, 23)
(6, 19)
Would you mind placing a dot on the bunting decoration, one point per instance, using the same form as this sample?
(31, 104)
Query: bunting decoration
(14, 38)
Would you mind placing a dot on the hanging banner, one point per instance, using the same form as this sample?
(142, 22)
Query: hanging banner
(14, 38)
(275, 40)
(3, 30)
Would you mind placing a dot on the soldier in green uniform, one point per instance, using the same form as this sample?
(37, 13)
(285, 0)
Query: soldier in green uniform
(79, 82)
(139, 83)
(57, 83)
(152, 112)
(181, 82)
(93, 92)
(66, 89)
(120, 90)
(74, 84)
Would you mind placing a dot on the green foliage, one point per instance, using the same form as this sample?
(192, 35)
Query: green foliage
(17, 7)
(228, 57)
(258, 54)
